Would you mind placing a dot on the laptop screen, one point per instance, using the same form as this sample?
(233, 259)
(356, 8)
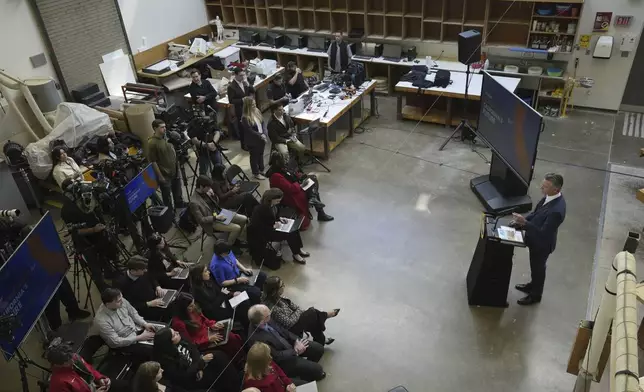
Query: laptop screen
(368, 49)
(316, 43)
(389, 50)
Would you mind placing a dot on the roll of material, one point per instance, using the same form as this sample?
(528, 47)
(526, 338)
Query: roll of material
(511, 68)
(140, 118)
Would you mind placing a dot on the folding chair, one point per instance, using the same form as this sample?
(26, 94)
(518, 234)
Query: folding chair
(245, 185)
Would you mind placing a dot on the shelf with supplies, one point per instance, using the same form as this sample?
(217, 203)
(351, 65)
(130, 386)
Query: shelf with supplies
(500, 22)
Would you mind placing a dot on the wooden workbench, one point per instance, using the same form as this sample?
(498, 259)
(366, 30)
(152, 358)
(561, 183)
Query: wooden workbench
(446, 103)
(329, 114)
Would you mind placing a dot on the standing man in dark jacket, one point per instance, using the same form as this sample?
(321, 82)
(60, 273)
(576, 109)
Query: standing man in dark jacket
(541, 227)
(339, 54)
(237, 90)
(161, 152)
(202, 91)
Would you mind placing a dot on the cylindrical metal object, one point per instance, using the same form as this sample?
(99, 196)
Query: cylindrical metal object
(45, 94)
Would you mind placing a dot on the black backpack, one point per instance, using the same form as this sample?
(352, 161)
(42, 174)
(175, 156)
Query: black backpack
(356, 72)
(443, 78)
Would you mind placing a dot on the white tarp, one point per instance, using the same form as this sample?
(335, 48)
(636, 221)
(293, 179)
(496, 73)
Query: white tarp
(74, 124)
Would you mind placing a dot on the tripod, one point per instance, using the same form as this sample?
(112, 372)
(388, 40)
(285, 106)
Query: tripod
(81, 268)
(23, 363)
(464, 127)
(312, 158)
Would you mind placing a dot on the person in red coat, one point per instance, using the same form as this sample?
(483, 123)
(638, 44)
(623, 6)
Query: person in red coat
(264, 374)
(292, 182)
(70, 372)
(196, 328)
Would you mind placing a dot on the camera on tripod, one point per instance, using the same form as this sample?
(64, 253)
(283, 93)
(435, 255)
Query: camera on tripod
(181, 144)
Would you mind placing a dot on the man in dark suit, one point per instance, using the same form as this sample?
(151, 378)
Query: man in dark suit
(237, 90)
(541, 227)
(281, 131)
(298, 358)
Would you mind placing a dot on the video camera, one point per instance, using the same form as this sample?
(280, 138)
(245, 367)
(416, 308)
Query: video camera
(181, 144)
(12, 233)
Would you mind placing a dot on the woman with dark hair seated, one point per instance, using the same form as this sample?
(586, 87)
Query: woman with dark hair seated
(291, 182)
(163, 264)
(210, 296)
(202, 331)
(229, 195)
(290, 316)
(64, 167)
(233, 275)
(148, 377)
(261, 230)
(184, 365)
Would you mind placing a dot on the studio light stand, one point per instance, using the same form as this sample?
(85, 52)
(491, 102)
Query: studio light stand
(464, 127)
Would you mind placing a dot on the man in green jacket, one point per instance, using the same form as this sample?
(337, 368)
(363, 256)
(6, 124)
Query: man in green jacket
(161, 152)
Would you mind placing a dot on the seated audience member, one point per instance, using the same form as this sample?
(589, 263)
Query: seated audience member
(264, 374)
(210, 297)
(120, 325)
(255, 135)
(298, 358)
(202, 91)
(229, 195)
(148, 377)
(290, 182)
(184, 365)
(142, 290)
(163, 264)
(70, 372)
(204, 207)
(263, 231)
(290, 316)
(227, 271)
(276, 91)
(295, 83)
(64, 167)
(196, 328)
(281, 131)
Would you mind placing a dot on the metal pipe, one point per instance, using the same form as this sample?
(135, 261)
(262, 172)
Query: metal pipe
(21, 118)
(624, 332)
(589, 366)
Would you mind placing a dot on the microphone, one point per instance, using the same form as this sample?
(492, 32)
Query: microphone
(498, 215)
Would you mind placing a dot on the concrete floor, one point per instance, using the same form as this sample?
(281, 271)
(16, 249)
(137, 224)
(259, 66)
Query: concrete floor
(396, 257)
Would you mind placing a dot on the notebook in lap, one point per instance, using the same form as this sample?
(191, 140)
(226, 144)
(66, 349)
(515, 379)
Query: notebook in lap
(168, 298)
(157, 326)
(183, 274)
(228, 326)
(229, 216)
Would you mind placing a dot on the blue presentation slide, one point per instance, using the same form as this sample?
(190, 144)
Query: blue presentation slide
(140, 188)
(509, 126)
(29, 279)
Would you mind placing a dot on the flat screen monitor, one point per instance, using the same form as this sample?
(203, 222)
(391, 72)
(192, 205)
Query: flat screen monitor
(28, 280)
(389, 50)
(510, 127)
(316, 43)
(367, 49)
(246, 36)
(140, 188)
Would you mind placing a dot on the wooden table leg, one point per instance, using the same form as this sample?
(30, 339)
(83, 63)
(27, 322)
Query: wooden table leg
(326, 142)
(448, 119)
(373, 103)
(399, 100)
(351, 119)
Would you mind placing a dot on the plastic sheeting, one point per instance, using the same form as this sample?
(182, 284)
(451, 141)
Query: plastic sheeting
(75, 123)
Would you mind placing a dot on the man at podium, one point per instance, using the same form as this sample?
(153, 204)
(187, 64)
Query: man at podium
(541, 227)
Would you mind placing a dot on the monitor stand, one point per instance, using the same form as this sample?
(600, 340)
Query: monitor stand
(501, 189)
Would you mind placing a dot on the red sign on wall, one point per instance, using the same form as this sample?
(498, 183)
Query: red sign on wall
(623, 21)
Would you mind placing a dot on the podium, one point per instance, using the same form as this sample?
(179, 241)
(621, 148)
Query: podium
(488, 278)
